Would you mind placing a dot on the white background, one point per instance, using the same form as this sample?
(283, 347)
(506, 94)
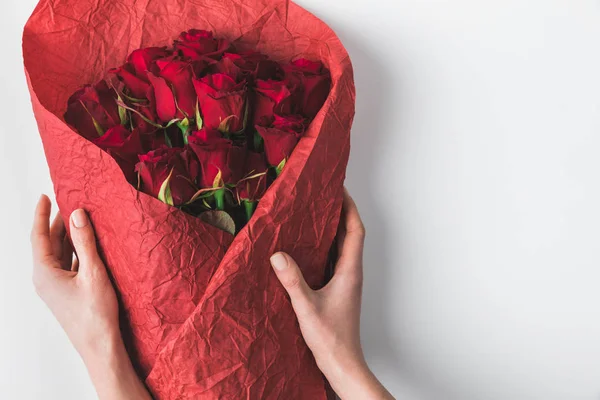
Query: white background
(476, 166)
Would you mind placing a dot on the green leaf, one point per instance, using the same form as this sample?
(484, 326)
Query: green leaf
(122, 112)
(258, 142)
(98, 127)
(168, 139)
(199, 122)
(171, 122)
(202, 194)
(134, 100)
(218, 180)
(246, 112)
(142, 116)
(279, 168)
(184, 127)
(219, 219)
(224, 125)
(164, 194)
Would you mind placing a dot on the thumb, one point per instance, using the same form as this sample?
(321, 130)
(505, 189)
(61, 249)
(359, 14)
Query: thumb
(291, 278)
(84, 241)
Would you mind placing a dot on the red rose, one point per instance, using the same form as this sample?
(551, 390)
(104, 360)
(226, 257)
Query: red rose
(179, 76)
(93, 110)
(143, 60)
(248, 65)
(181, 165)
(254, 185)
(221, 98)
(199, 45)
(215, 155)
(290, 123)
(315, 83)
(272, 97)
(145, 113)
(134, 74)
(279, 144)
(124, 146)
(173, 90)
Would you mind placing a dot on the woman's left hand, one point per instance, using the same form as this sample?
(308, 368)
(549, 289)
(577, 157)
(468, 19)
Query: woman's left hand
(81, 297)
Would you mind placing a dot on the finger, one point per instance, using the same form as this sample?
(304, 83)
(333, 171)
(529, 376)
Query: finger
(291, 278)
(351, 238)
(57, 236)
(84, 242)
(40, 233)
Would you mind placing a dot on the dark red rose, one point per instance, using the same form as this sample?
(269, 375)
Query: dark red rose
(93, 110)
(215, 155)
(249, 65)
(272, 97)
(134, 73)
(155, 167)
(199, 45)
(290, 123)
(145, 112)
(221, 98)
(254, 185)
(315, 83)
(279, 144)
(124, 146)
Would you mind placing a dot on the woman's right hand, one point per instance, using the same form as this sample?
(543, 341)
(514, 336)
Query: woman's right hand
(330, 318)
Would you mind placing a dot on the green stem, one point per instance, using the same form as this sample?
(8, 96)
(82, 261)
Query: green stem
(250, 207)
(220, 199)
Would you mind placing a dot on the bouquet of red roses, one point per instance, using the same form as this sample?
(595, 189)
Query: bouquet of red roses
(170, 154)
(202, 126)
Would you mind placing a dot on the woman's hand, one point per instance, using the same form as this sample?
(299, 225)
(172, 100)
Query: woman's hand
(81, 297)
(330, 318)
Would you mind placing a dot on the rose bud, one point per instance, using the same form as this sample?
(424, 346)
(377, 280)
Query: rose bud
(93, 110)
(315, 81)
(134, 74)
(217, 155)
(222, 102)
(254, 185)
(124, 146)
(177, 167)
(199, 45)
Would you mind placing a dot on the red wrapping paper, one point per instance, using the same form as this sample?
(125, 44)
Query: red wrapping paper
(203, 315)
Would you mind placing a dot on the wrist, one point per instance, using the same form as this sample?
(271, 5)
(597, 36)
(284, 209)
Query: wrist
(111, 371)
(351, 378)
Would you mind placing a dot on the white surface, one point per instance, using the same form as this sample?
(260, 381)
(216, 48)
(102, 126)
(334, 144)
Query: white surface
(476, 167)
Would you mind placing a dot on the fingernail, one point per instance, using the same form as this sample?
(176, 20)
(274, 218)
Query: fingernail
(279, 262)
(79, 218)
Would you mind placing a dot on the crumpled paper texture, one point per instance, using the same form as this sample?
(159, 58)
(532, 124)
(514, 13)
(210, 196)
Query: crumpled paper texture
(203, 314)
